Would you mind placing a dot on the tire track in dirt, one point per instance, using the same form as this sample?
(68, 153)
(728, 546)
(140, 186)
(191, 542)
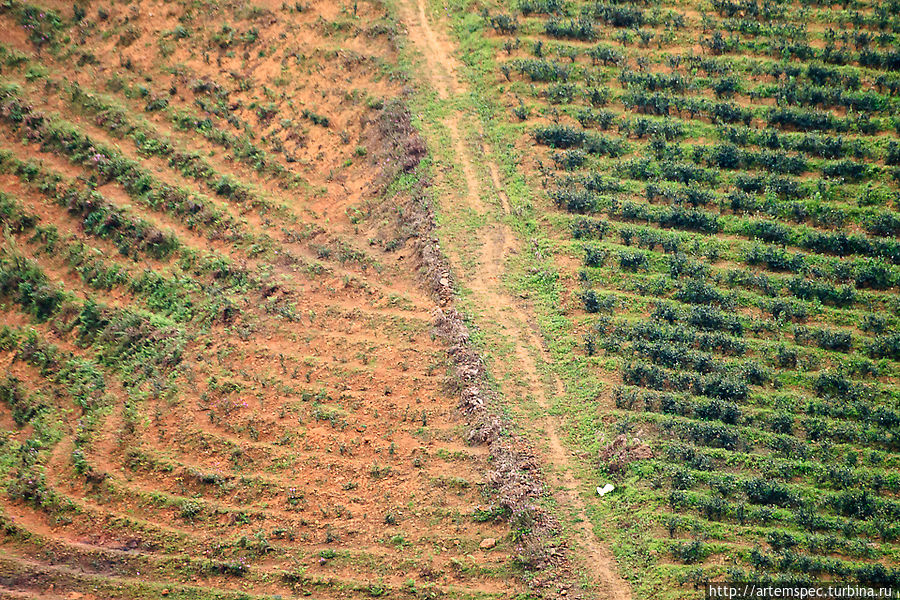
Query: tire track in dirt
(497, 241)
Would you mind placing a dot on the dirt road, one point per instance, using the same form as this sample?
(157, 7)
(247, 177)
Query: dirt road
(496, 241)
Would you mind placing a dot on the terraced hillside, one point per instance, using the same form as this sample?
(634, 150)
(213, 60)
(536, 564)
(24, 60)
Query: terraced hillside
(220, 378)
(236, 235)
(708, 196)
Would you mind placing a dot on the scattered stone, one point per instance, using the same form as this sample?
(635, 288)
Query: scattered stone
(488, 543)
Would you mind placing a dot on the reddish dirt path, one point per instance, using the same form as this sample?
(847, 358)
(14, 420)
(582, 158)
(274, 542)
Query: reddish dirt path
(497, 241)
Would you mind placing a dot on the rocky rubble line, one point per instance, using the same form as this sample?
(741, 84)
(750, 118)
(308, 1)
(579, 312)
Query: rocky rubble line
(514, 478)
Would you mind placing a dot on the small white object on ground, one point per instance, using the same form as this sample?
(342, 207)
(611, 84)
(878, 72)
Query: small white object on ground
(602, 491)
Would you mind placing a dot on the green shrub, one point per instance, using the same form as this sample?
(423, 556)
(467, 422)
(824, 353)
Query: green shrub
(23, 281)
(691, 552)
(24, 406)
